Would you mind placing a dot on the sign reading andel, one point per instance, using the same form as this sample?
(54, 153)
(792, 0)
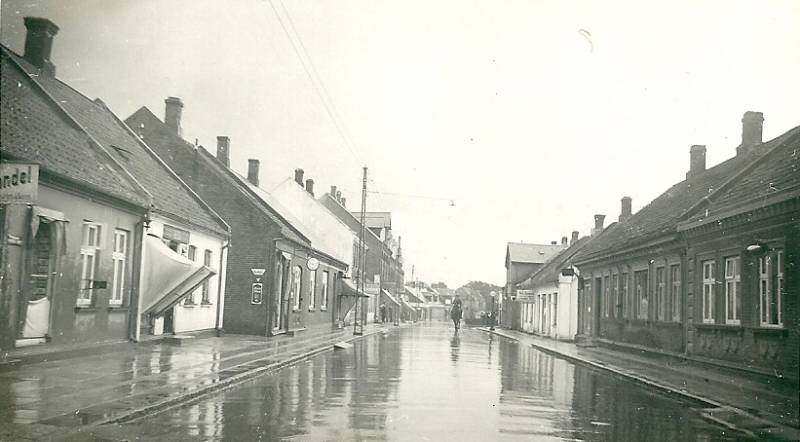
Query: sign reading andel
(19, 182)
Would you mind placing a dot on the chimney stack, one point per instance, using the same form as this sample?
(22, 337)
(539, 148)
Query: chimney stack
(39, 43)
(223, 150)
(339, 196)
(333, 192)
(697, 160)
(598, 224)
(252, 171)
(172, 114)
(625, 210)
(310, 186)
(564, 241)
(752, 126)
(298, 176)
(344, 202)
(552, 243)
(574, 237)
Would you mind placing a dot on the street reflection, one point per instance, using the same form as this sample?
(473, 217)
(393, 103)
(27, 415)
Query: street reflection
(407, 386)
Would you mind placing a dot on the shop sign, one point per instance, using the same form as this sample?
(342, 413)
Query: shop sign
(525, 295)
(258, 272)
(20, 182)
(257, 293)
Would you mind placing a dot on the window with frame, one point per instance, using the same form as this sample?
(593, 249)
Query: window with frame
(606, 298)
(207, 258)
(640, 288)
(675, 291)
(709, 281)
(323, 302)
(312, 289)
(297, 274)
(661, 295)
(90, 251)
(771, 266)
(119, 258)
(733, 291)
(626, 302)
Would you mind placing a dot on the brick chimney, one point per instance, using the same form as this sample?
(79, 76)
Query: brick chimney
(598, 224)
(697, 160)
(39, 43)
(339, 196)
(752, 126)
(223, 150)
(172, 114)
(574, 237)
(310, 186)
(252, 171)
(553, 243)
(625, 208)
(343, 202)
(333, 192)
(298, 176)
(564, 241)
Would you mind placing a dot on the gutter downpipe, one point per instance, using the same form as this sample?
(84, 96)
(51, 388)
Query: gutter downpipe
(223, 254)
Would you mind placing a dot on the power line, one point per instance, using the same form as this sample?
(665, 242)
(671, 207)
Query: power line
(316, 82)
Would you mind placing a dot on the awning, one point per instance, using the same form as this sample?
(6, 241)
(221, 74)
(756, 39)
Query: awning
(387, 295)
(167, 276)
(348, 289)
(47, 216)
(414, 296)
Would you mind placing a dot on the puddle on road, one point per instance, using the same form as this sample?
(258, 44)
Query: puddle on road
(425, 383)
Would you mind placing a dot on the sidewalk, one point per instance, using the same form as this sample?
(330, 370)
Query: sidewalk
(54, 398)
(755, 406)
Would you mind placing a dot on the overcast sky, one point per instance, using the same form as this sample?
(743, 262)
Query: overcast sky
(531, 116)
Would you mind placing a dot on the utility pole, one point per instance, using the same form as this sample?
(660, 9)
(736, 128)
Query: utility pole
(360, 317)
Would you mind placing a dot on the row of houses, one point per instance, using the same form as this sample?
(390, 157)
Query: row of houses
(708, 270)
(121, 229)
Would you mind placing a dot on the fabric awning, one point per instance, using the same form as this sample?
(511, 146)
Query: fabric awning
(168, 276)
(414, 296)
(348, 289)
(409, 306)
(386, 295)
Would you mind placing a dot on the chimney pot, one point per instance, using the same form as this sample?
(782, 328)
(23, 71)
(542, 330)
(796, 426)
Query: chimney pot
(310, 186)
(552, 243)
(252, 171)
(298, 176)
(564, 240)
(39, 43)
(333, 192)
(625, 211)
(344, 202)
(752, 128)
(172, 114)
(223, 150)
(697, 160)
(574, 237)
(339, 195)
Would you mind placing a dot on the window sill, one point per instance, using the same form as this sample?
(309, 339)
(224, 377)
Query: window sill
(295, 309)
(724, 327)
(117, 308)
(323, 309)
(769, 330)
(311, 309)
(85, 309)
(206, 305)
(190, 305)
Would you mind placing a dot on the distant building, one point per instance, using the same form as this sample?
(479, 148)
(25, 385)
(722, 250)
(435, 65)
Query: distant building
(522, 261)
(705, 269)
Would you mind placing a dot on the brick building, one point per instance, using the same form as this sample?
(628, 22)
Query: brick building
(705, 269)
(269, 283)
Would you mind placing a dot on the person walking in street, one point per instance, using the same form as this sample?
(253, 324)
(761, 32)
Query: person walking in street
(383, 313)
(456, 312)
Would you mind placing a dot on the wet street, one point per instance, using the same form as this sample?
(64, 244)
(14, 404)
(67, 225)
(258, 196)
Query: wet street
(428, 383)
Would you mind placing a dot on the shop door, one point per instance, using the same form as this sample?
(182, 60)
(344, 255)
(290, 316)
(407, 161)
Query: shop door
(169, 321)
(35, 317)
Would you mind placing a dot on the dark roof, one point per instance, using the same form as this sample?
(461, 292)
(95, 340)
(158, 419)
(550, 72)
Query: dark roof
(773, 178)
(169, 145)
(549, 272)
(662, 215)
(34, 128)
(169, 195)
(532, 253)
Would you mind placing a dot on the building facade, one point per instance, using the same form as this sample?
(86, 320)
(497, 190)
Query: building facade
(702, 270)
(522, 261)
